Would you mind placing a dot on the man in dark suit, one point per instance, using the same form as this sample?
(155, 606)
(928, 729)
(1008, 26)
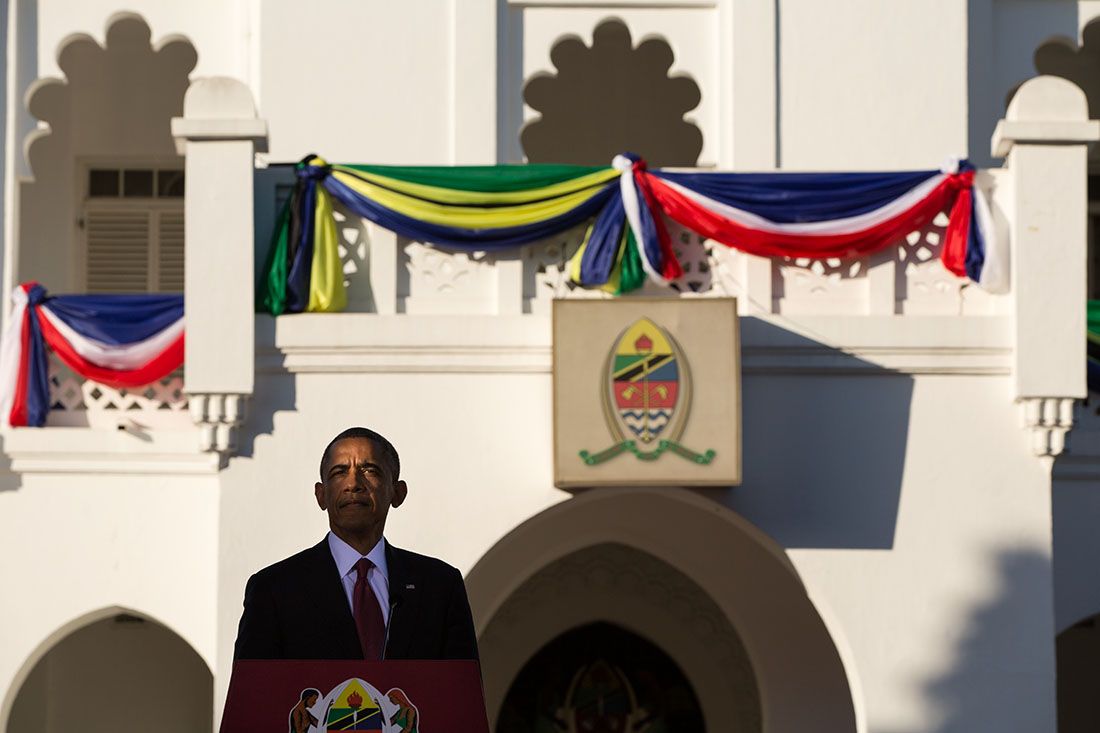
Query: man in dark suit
(353, 595)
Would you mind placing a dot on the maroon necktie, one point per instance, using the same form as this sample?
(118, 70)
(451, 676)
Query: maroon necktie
(367, 612)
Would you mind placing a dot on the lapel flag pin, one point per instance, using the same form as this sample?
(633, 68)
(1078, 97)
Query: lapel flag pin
(410, 586)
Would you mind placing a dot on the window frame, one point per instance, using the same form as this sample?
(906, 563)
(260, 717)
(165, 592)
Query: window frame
(154, 206)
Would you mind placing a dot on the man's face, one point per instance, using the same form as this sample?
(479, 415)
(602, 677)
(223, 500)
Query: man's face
(357, 488)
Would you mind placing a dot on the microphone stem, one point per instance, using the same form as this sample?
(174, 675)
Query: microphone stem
(386, 636)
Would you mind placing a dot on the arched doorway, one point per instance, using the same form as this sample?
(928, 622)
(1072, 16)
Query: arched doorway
(1078, 655)
(727, 605)
(600, 678)
(123, 673)
(649, 610)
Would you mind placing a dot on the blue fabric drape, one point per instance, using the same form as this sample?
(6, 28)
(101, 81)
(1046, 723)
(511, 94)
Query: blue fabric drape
(117, 319)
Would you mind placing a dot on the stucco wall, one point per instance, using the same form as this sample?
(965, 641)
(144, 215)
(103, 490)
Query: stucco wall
(949, 624)
(911, 505)
(909, 498)
(79, 544)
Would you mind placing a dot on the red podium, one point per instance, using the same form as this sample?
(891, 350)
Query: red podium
(390, 697)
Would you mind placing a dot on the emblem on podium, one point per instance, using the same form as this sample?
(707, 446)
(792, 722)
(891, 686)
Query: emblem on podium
(354, 704)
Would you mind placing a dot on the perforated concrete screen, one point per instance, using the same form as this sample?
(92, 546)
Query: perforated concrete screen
(647, 392)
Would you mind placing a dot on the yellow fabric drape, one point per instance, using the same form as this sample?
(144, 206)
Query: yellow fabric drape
(326, 281)
(466, 217)
(459, 197)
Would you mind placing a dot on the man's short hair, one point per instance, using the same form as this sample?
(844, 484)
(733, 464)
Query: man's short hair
(310, 692)
(388, 451)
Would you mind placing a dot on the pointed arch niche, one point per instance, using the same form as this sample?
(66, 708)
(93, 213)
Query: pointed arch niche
(112, 110)
(698, 581)
(115, 669)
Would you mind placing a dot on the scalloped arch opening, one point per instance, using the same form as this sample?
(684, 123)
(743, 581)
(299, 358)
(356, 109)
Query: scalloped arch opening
(611, 97)
(114, 105)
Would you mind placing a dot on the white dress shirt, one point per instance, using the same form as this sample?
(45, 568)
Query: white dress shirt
(347, 556)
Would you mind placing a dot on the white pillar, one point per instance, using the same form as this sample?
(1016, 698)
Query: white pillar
(1045, 137)
(219, 134)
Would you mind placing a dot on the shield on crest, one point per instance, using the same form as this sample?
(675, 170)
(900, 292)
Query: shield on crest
(647, 385)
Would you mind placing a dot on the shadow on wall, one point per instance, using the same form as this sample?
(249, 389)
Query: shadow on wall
(1061, 56)
(9, 480)
(610, 98)
(833, 487)
(1000, 678)
(1075, 505)
(1080, 64)
(1076, 510)
(275, 390)
(1000, 37)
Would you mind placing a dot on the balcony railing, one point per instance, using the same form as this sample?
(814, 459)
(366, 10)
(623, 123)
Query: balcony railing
(79, 402)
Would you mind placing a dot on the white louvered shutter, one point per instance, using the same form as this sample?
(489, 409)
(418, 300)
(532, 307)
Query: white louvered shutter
(134, 250)
(117, 250)
(170, 251)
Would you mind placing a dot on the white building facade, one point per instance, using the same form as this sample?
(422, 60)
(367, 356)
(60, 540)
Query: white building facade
(915, 523)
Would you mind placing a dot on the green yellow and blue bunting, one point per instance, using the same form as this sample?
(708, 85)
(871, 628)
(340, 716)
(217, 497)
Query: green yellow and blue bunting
(1093, 344)
(625, 207)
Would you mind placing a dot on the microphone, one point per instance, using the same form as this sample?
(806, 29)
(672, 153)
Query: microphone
(395, 602)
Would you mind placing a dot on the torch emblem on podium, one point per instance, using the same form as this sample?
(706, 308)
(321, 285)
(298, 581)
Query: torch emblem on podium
(356, 705)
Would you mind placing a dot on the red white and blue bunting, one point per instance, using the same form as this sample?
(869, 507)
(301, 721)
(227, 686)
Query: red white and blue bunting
(842, 215)
(118, 340)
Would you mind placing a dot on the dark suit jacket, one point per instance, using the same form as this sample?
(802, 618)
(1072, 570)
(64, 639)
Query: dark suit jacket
(297, 609)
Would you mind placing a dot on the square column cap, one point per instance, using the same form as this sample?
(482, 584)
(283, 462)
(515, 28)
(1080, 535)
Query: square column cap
(218, 108)
(1046, 110)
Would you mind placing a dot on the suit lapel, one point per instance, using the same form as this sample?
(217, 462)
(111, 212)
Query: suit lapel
(403, 616)
(338, 628)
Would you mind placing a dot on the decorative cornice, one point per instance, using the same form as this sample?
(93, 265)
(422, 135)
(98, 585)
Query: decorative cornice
(129, 450)
(404, 358)
(866, 345)
(1049, 419)
(476, 359)
(218, 417)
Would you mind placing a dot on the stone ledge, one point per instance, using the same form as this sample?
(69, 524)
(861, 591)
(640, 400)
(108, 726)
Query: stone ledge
(86, 450)
(1015, 132)
(371, 343)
